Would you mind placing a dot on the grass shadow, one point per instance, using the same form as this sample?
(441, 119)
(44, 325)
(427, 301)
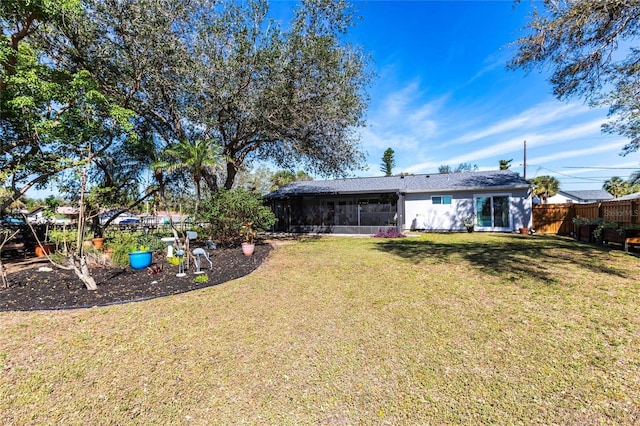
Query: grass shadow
(538, 257)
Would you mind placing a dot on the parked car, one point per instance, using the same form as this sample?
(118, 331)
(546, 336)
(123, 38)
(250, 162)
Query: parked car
(12, 221)
(130, 221)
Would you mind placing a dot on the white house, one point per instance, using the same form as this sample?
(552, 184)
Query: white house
(494, 201)
(580, 196)
(36, 215)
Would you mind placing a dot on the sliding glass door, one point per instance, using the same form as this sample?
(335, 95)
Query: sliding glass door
(492, 213)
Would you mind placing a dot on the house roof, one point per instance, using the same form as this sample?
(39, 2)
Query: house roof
(633, 196)
(35, 210)
(588, 194)
(451, 182)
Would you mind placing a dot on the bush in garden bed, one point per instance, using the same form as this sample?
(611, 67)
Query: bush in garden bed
(388, 233)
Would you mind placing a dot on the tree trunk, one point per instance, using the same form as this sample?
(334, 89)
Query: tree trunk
(81, 269)
(163, 199)
(198, 195)
(3, 273)
(232, 170)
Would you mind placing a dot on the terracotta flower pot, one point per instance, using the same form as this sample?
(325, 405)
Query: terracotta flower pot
(98, 242)
(46, 248)
(108, 253)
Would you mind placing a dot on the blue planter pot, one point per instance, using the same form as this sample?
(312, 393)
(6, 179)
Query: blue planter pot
(140, 259)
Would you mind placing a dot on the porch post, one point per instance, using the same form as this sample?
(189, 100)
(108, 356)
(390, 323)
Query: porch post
(400, 211)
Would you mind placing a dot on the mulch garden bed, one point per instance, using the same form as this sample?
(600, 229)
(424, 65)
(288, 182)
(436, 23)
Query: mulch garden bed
(32, 289)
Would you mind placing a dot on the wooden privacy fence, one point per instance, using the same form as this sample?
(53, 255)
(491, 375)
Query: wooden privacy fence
(557, 218)
(553, 218)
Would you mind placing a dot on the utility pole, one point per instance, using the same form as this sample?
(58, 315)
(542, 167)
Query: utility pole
(525, 160)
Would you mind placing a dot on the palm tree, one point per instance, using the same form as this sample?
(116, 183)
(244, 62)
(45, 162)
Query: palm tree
(199, 157)
(505, 164)
(616, 187)
(545, 187)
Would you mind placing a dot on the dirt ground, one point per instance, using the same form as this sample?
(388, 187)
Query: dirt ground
(33, 289)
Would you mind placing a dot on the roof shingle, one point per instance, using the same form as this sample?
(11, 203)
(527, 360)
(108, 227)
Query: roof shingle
(463, 181)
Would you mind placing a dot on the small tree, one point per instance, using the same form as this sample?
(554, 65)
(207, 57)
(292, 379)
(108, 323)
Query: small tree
(444, 169)
(228, 210)
(462, 167)
(285, 177)
(388, 162)
(5, 236)
(200, 158)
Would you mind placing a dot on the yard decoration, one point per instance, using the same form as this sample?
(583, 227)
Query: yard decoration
(201, 252)
(169, 241)
(180, 256)
(469, 223)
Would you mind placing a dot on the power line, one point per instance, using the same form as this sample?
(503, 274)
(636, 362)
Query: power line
(577, 179)
(603, 168)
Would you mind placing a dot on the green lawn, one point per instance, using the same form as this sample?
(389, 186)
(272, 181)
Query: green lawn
(438, 329)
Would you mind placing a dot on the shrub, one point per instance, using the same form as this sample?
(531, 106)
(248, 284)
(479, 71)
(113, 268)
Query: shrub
(605, 224)
(581, 221)
(201, 279)
(389, 233)
(125, 242)
(227, 210)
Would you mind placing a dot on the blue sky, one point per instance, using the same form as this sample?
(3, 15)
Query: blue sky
(443, 95)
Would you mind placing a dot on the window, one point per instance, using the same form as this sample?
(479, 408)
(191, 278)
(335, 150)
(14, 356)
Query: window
(441, 199)
(492, 211)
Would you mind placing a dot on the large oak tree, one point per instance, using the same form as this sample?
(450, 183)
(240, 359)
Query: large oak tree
(225, 71)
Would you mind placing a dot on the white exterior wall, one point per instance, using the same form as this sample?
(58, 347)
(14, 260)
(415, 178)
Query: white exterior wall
(438, 217)
(560, 199)
(421, 213)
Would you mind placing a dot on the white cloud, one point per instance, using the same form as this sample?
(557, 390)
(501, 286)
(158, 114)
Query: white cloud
(606, 148)
(539, 115)
(402, 121)
(516, 145)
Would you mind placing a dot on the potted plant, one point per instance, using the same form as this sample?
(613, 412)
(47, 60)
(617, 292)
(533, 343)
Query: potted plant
(249, 234)
(63, 240)
(140, 257)
(584, 228)
(469, 223)
(98, 242)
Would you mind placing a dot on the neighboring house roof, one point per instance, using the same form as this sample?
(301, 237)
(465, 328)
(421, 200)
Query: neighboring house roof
(588, 195)
(633, 196)
(67, 210)
(35, 211)
(437, 182)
